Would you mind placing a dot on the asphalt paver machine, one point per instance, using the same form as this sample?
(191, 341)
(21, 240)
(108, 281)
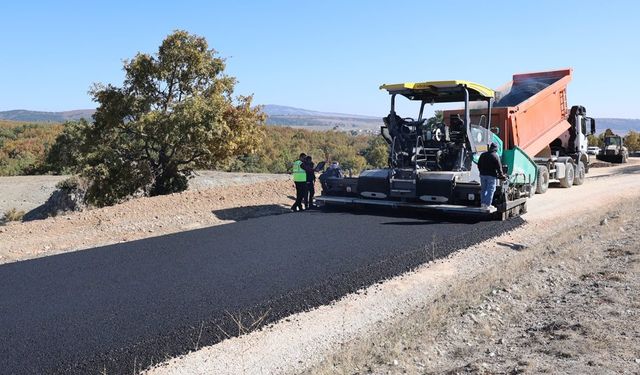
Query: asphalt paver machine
(432, 164)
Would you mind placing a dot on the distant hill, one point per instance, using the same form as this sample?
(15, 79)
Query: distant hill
(279, 115)
(619, 126)
(37, 116)
(281, 110)
(276, 115)
(305, 118)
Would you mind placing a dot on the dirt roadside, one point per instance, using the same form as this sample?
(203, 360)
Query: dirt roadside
(215, 198)
(25, 193)
(396, 326)
(567, 306)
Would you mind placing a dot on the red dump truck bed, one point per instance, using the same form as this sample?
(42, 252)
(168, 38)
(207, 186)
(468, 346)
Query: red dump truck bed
(530, 111)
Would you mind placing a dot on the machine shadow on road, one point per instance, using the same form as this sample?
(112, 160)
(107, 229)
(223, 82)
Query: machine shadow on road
(408, 217)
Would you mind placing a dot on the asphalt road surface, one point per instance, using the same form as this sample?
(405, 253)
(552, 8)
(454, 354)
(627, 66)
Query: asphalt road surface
(120, 308)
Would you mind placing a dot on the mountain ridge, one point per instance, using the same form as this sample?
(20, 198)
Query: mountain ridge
(44, 116)
(279, 115)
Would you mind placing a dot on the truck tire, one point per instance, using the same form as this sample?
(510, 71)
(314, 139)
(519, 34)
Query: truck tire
(580, 174)
(567, 180)
(542, 182)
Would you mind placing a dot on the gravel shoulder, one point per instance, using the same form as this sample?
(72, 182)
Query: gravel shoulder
(414, 323)
(565, 306)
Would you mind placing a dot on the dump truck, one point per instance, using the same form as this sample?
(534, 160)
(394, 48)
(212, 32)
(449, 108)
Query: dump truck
(432, 165)
(613, 150)
(531, 113)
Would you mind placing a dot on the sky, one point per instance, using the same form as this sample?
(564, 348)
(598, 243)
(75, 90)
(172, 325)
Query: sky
(326, 55)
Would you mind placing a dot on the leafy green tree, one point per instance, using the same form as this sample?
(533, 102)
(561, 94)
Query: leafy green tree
(174, 110)
(66, 154)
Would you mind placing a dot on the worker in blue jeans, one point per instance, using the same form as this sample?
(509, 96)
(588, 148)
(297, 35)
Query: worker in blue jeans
(490, 169)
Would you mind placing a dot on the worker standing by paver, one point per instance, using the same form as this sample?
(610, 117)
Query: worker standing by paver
(300, 180)
(309, 168)
(333, 171)
(490, 169)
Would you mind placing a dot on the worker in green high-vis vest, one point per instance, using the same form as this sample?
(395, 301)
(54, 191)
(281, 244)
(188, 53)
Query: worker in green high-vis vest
(300, 180)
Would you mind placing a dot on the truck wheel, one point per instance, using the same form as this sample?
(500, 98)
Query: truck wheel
(580, 174)
(542, 182)
(567, 180)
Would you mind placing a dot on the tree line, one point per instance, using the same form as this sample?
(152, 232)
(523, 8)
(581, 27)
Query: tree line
(24, 147)
(33, 148)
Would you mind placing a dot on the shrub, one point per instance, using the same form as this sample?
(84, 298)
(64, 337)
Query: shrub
(70, 195)
(13, 215)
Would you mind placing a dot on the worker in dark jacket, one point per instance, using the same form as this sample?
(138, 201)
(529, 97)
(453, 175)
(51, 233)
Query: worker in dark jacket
(300, 180)
(309, 168)
(490, 169)
(333, 171)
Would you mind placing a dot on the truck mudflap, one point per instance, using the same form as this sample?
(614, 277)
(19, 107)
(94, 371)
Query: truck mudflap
(503, 212)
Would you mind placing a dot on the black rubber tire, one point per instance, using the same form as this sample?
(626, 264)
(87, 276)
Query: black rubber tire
(569, 175)
(579, 175)
(542, 181)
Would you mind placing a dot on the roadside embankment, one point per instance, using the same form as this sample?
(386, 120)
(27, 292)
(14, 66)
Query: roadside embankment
(215, 198)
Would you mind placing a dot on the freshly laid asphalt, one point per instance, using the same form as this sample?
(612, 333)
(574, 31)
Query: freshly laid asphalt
(120, 308)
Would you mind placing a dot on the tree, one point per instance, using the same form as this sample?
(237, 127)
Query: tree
(632, 140)
(65, 155)
(377, 152)
(174, 110)
(24, 147)
(437, 118)
(595, 140)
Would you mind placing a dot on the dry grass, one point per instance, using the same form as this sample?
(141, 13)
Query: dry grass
(12, 215)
